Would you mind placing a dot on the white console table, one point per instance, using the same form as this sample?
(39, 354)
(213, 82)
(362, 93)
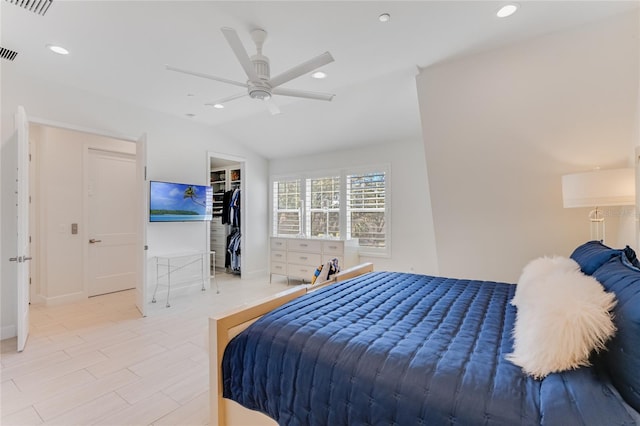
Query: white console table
(177, 262)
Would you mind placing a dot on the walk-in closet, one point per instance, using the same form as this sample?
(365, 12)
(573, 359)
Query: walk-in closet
(226, 174)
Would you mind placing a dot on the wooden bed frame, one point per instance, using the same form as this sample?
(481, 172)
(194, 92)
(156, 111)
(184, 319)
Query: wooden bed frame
(222, 328)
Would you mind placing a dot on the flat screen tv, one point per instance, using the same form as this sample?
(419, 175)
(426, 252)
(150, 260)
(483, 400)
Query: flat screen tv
(179, 202)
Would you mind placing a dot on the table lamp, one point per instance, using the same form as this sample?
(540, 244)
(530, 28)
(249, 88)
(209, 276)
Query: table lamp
(599, 188)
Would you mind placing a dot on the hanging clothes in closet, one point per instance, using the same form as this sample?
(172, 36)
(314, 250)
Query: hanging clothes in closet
(231, 216)
(226, 206)
(232, 258)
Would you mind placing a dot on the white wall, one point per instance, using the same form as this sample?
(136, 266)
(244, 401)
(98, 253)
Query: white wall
(500, 129)
(412, 234)
(177, 150)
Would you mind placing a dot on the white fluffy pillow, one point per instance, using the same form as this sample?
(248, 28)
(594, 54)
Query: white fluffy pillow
(538, 269)
(563, 315)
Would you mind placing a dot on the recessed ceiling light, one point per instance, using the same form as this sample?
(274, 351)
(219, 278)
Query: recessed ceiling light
(190, 95)
(190, 115)
(319, 75)
(57, 49)
(219, 106)
(507, 10)
(385, 17)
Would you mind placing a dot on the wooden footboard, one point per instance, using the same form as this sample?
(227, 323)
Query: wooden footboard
(222, 328)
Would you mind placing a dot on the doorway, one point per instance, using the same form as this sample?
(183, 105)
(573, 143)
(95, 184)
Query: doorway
(70, 166)
(226, 231)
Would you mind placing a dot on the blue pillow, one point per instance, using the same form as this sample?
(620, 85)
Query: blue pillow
(622, 359)
(631, 256)
(592, 255)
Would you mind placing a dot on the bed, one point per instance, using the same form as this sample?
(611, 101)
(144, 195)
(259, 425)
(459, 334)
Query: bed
(406, 349)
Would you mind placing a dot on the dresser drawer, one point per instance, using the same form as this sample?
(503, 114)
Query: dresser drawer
(305, 245)
(218, 240)
(303, 272)
(278, 256)
(278, 244)
(279, 268)
(333, 248)
(219, 231)
(302, 258)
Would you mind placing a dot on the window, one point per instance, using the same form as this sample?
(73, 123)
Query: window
(341, 204)
(366, 209)
(323, 199)
(286, 201)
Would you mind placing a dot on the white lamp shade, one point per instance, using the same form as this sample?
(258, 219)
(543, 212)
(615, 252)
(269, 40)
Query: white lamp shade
(614, 187)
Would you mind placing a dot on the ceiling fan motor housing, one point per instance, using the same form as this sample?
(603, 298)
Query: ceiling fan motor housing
(261, 65)
(260, 89)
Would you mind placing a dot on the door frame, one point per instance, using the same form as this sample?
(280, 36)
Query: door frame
(142, 231)
(243, 179)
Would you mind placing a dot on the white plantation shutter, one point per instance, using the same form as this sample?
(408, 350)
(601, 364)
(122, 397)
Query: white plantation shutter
(286, 207)
(366, 208)
(323, 207)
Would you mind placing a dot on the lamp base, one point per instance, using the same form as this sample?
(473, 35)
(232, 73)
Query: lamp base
(596, 225)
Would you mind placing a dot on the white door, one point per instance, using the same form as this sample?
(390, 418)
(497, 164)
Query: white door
(143, 211)
(21, 255)
(113, 222)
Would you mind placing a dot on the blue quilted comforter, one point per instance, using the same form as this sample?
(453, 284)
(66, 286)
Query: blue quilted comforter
(405, 349)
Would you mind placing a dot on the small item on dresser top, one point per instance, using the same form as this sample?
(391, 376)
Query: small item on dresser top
(324, 272)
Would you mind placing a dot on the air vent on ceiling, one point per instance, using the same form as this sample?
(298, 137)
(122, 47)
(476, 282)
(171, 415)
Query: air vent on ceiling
(36, 6)
(8, 54)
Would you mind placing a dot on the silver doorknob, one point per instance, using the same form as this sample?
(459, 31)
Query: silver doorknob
(13, 259)
(93, 241)
(27, 258)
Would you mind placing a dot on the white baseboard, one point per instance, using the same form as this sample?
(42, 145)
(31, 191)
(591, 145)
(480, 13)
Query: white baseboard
(66, 298)
(38, 299)
(8, 331)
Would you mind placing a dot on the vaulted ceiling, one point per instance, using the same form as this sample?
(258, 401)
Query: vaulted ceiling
(119, 49)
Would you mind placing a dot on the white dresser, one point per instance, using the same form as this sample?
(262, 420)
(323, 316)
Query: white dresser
(218, 241)
(299, 257)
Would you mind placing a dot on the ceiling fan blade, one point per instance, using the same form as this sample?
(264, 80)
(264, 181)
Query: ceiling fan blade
(272, 107)
(302, 94)
(210, 77)
(303, 68)
(227, 99)
(238, 49)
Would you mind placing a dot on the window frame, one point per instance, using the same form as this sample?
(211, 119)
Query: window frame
(275, 210)
(342, 173)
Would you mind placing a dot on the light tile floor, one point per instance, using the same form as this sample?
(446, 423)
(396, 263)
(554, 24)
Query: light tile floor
(99, 362)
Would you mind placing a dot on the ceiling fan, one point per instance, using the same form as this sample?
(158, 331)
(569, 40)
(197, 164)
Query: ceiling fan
(260, 84)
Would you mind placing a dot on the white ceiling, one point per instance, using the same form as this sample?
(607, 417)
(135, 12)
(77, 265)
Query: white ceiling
(119, 49)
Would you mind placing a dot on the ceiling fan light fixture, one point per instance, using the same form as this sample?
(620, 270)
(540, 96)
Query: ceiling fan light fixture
(319, 75)
(385, 17)
(261, 94)
(507, 10)
(218, 106)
